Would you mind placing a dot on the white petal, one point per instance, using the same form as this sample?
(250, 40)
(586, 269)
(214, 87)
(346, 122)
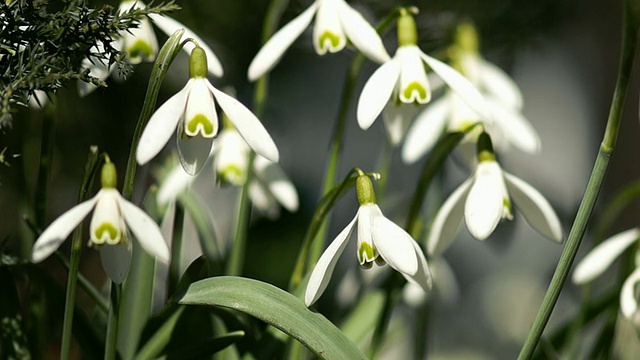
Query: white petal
(116, 261)
(169, 26)
(602, 256)
(422, 277)
(324, 268)
(362, 34)
(414, 86)
(278, 183)
(193, 152)
(483, 208)
(145, 230)
(499, 84)
(376, 93)
(200, 117)
(628, 295)
(516, 128)
(272, 50)
(534, 207)
(162, 125)
(394, 244)
(425, 131)
(247, 125)
(173, 185)
(328, 34)
(460, 85)
(397, 120)
(448, 219)
(107, 214)
(263, 200)
(54, 235)
(232, 158)
(140, 43)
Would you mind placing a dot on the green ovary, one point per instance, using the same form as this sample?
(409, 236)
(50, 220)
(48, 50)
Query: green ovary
(112, 231)
(200, 119)
(415, 86)
(366, 255)
(140, 49)
(333, 39)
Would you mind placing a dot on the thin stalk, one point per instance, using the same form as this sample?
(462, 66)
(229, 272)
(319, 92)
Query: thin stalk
(111, 352)
(629, 51)
(176, 249)
(76, 250)
(86, 285)
(236, 263)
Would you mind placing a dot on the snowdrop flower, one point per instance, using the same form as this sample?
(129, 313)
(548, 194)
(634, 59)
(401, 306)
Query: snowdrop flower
(485, 199)
(269, 188)
(503, 100)
(193, 112)
(336, 22)
(403, 80)
(112, 215)
(140, 44)
(379, 240)
(601, 258)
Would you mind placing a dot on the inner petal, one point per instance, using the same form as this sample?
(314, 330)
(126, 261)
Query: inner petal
(200, 123)
(200, 114)
(106, 222)
(328, 34)
(414, 86)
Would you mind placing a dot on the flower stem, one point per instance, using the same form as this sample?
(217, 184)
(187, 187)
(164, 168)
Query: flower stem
(110, 352)
(236, 263)
(76, 249)
(176, 249)
(629, 50)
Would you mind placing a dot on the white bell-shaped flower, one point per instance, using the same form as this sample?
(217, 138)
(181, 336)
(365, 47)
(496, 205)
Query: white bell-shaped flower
(112, 215)
(192, 112)
(485, 199)
(336, 22)
(379, 241)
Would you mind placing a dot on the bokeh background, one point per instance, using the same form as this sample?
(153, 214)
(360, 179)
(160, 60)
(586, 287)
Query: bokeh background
(563, 54)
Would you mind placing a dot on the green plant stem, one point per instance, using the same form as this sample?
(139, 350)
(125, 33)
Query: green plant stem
(176, 249)
(236, 262)
(44, 165)
(76, 250)
(111, 352)
(85, 285)
(629, 50)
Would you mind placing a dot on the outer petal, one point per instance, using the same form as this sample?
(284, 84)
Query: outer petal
(628, 298)
(116, 261)
(423, 277)
(534, 207)
(395, 245)
(515, 126)
(324, 268)
(173, 185)
(484, 206)
(49, 241)
(447, 222)
(276, 180)
(273, 49)
(263, 200)
(603, 255)
(328, 34)
(458, 83)
(499, 84)
(248, 125)
(145, 230)
(397, 120)
(169, 26)
(376, 92)
(361, 33)
(162, 125)
(425, 131)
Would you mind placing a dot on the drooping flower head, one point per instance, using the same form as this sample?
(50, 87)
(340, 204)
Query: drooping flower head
(192, 111)
(380, 241)
(112, 216)
(403, 81)
(140, 44)
(485, 199)
(336, 22)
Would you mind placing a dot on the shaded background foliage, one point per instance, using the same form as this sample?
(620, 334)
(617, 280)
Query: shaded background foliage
(563, 54)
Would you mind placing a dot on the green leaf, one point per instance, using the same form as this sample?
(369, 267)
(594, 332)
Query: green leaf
(362, 320)
(275, 307)
(202, 348)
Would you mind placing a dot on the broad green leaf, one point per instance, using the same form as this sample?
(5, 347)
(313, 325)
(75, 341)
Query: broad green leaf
(275, 307)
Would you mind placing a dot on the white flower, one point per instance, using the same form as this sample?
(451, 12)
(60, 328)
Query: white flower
(192, 112)
(269, 186)
(484, 200)
(451, 114)
(379, 241)
(601, 258)
(112, 215)
(141, 44)
(336, 22)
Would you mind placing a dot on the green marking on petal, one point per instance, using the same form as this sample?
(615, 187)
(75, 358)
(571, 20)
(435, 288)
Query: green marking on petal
(112, 231)
(415, 86)
(506, 204)
(232, 174)
(366, 254)
(140, 49)
(334, 39)
(206, 126)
